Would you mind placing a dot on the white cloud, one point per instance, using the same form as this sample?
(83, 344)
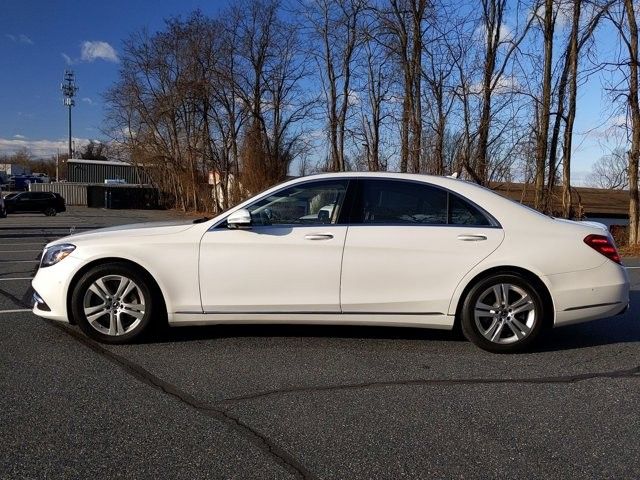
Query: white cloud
(21, 38)
(501, 85)
(38, 148)
(619, 121)
(24, 39)
(68, 60)
(98, 50)
(87, 100)
(612, 130)
(353, 97)
(19, 137)
(506, 34)
(563, 10)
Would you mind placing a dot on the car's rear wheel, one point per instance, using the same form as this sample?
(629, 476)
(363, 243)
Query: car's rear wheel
(503, 313)
(50, 212)
(114, 303)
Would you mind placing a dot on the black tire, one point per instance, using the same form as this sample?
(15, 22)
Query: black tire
(50, 212)
(150, 304)
(3, 214)
(508, 340)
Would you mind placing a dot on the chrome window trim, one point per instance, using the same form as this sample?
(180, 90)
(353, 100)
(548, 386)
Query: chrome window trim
(494, 223)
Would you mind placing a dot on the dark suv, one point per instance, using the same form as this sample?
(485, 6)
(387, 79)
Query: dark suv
(48, 203)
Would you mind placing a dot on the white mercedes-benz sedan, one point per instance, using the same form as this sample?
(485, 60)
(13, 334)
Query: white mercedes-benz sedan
(350, 248)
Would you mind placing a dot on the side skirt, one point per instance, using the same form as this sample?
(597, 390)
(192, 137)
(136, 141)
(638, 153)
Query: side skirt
(422, 320)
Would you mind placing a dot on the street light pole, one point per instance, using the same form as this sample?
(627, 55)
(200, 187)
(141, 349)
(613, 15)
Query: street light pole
(69, 90)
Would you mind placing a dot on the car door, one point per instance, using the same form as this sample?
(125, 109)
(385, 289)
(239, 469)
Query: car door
(37, 202)
(287, 261)
(24, 203)
(409, 244)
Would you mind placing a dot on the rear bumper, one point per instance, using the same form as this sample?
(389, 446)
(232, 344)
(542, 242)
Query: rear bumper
(590, 294)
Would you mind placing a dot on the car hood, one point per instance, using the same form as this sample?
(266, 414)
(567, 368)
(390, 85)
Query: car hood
(127, 231)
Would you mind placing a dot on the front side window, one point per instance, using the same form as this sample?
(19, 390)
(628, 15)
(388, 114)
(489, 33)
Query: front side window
(311, 203)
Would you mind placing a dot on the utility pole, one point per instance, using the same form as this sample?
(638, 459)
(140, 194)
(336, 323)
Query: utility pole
(69, 90)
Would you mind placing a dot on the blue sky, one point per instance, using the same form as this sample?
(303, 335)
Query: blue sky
(36, 35)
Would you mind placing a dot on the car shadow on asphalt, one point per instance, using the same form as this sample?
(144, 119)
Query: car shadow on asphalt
(623, 328)
(210, 332)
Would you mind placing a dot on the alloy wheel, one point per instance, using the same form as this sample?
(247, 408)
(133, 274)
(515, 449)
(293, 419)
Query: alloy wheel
(505, 313)
(114, 305)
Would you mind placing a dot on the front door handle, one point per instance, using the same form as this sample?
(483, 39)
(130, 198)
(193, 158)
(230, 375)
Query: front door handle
(472, 238)
(319, 236)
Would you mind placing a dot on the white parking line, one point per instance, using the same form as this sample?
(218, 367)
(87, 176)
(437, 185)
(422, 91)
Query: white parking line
(2, 262)
(631, 268)
(21, 243)
(21, 310)
(12, 279)
(18, 251)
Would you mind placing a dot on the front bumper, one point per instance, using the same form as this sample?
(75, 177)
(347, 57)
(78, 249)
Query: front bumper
(51, 284)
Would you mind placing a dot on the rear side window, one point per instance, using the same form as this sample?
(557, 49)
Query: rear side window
(394, 202)
(41, 196)
(386, 201)
(463, 213)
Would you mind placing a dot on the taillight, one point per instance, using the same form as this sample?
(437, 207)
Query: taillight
(602, 244)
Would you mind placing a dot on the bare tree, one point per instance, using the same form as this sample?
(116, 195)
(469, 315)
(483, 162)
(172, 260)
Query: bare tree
(624, 19)
(335, 31)
(404, 23)
(579, 35)
(376, 87)
(610, 171)
(270, 88)
(543, 109)
(498, 53)
(439, 75)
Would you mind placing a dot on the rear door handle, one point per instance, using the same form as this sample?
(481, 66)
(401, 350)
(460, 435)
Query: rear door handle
(319, 236)
(472, 238)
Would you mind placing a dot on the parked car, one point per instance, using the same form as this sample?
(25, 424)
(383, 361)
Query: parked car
(42, 177)
(48, 203)
(389, 249)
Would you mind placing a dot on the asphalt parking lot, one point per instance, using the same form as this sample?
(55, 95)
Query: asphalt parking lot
(304, 402)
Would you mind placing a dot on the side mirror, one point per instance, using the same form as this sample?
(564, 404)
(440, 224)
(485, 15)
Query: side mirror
(239, 219)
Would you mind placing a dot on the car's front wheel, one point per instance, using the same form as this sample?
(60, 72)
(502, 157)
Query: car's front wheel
(503, 313)
(50, 212)
(114, 303)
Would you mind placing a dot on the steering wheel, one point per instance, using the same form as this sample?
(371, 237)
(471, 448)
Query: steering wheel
(267, 216)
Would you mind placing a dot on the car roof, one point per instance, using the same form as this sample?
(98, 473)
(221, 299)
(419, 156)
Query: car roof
(452, 183)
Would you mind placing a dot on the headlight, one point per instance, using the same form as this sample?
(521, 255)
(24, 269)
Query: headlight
(54, 254)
